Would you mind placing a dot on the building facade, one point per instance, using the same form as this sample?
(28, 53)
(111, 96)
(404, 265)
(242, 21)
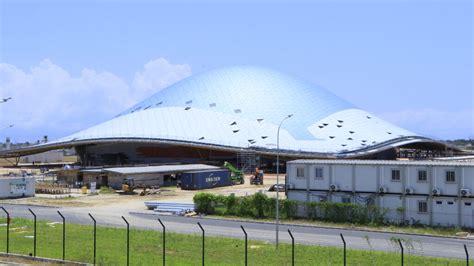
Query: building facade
(437, 193)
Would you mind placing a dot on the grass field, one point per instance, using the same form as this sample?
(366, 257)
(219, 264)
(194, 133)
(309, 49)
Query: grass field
(182, 249)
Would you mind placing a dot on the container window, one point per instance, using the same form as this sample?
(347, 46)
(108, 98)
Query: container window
(450, 176)
(467, 203)
(422, 175)
(395, 175)
(318, 173)
(450, 203)
(300, 172)
(439, 202)
(422, 206)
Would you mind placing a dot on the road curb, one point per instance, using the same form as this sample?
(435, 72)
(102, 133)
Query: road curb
(306, 226)
(32, 205)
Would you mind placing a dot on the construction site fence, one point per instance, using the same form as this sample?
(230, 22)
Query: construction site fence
(52, 188)
(162, 226)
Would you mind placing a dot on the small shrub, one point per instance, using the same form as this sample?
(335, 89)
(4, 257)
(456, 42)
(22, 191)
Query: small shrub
(205, 203)
(106, 190)
(245, 207)
(290, 208)
(231, 205)
(259, 202)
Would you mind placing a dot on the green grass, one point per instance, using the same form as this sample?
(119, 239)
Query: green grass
(391, 228)
(183, 249)
(106, 190)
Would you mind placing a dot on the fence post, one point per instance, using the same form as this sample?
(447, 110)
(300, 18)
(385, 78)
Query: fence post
(401, 249)
(164, 241)
(467, 255)
(95, 235)
(344, 241)
(203, 236)
(34, 234)
(245, 244)
(64, 234)
(292, 248)
(8, 229)
(128, 240)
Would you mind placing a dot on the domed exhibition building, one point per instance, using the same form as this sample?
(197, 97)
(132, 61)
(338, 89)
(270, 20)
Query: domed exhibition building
(234, 114)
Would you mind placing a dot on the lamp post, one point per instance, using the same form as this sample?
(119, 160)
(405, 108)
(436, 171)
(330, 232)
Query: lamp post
(278, 179)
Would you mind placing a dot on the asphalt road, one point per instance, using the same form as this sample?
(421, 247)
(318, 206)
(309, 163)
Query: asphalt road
(309, 235)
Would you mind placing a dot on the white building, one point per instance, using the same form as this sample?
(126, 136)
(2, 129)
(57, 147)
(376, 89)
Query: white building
(428, 192)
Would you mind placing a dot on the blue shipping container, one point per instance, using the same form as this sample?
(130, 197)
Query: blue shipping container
(205, 179)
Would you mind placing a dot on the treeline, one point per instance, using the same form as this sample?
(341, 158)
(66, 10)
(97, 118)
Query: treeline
(261, 206)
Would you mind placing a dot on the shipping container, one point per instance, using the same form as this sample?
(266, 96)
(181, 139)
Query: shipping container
(205, 179)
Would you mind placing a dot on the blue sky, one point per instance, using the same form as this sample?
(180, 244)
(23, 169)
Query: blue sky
(72, 64)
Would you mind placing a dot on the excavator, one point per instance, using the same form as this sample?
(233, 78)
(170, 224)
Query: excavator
(236, 176)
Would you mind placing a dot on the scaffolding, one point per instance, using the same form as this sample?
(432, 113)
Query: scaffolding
(247, 161)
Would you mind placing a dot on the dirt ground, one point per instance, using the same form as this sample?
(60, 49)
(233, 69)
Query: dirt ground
(136, 202)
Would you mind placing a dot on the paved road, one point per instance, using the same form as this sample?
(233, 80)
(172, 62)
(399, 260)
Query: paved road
(356, 239)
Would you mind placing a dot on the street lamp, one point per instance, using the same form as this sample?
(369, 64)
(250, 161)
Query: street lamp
(278, 178)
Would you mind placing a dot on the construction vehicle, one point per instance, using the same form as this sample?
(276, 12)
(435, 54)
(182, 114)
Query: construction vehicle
(236, 176)
(128, 187)
(257, 178)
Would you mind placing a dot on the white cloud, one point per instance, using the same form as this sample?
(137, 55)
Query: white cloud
(47, 100)
(158, 74)
(439, 124)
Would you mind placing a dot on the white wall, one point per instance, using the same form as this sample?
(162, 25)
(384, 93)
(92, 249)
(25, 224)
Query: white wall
(392, 202)
(394, 186)
(411, 210)
(319, 183)
(467, 213)
(343, 177)
(439, 181)
(366, 178)
(446, 213)
(299, 183)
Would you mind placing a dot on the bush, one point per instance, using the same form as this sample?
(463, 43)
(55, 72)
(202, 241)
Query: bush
(231, 203)
(245, 207)
(106, 190)
(259, 202)
(346, 212)
(290, 209)
(205, 203)
(261, 206)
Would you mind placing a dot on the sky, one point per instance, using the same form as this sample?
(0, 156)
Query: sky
(69, 65)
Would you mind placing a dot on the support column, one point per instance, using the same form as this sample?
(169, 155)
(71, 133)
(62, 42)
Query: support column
(460, 182)
(308, 193)
(430, 187)
(377, 187)
(353, 180)
(331, 179)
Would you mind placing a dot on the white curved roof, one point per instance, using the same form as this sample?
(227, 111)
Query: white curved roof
(241, 107)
